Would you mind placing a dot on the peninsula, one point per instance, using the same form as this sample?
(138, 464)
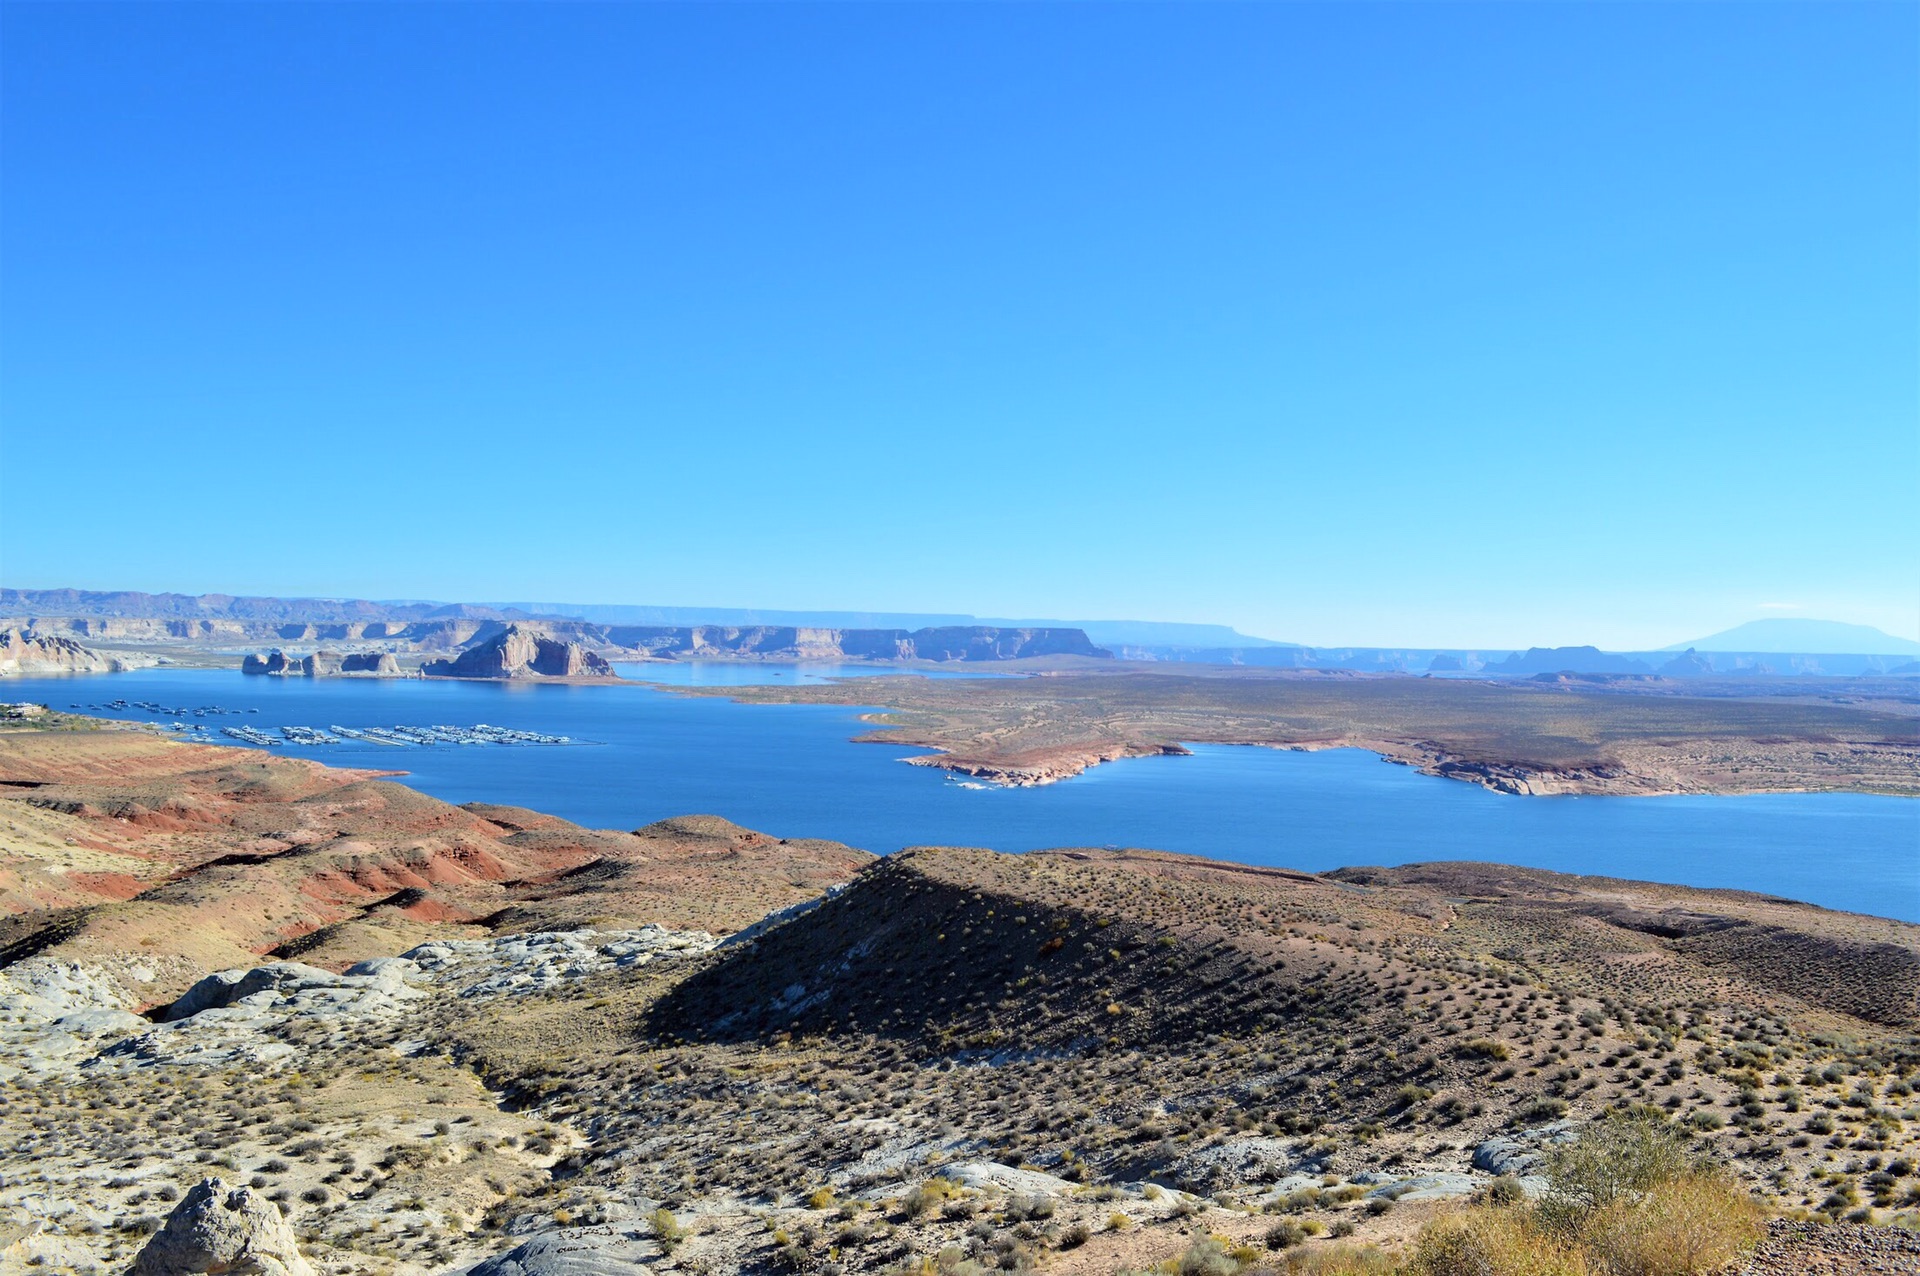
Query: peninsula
(1536, 737)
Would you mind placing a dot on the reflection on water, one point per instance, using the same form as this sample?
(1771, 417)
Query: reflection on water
(791, 770)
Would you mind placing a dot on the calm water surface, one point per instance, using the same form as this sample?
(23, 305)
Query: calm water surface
(791, 770)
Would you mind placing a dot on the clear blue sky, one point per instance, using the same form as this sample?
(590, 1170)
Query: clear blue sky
(1432, 324)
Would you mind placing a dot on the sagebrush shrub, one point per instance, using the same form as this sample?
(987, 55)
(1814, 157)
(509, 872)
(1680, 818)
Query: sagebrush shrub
(1494, 1242)
(1694, 1224)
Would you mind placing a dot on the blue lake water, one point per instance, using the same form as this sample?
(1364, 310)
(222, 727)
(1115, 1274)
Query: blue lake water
(791, 770)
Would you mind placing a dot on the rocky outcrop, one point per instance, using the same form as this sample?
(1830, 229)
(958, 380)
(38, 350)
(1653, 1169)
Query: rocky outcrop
(519, 651)
(26, 652)
(55, 1014)
(1688, 664)
(583, 1251)
(322, 664)
(222, 1231)
(60, 1017)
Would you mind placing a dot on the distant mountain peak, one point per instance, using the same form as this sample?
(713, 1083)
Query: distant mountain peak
(1781, 635)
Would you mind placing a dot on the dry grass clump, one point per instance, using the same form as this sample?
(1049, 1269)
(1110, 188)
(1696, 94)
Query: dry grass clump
(1690, 1225)
(1627, 1198)
(1697, 1223)
(1342, 1260)
(1494, 1242)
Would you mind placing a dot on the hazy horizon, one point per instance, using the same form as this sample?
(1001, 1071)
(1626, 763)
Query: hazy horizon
(894, 618)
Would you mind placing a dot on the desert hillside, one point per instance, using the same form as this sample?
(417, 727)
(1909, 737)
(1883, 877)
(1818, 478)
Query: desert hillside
(430, 1036)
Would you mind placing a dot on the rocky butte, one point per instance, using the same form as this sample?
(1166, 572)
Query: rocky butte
(520, 651)
(323, 664)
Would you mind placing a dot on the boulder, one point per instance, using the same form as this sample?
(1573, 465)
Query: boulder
(1521, 1152)
(222, 1231)
(1428, 1187)
(979, 1174)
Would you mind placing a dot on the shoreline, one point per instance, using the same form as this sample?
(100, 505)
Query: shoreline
(1506, 780)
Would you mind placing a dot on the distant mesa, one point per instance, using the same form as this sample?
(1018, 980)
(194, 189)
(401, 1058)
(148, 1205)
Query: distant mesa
(134, 605)
(1782, 636)
(25, 652)
(942, 643)
(1538, 660)
(323, 664)
(519, 651)
(1445, 664)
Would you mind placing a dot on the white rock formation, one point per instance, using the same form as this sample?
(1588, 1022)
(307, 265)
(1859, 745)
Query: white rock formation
(222, 1231)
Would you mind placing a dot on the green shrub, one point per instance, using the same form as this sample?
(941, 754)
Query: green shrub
(1285, 1235)
(1610, 1160)
(1505, 1190)
(1035, 1206)
(1542, 1108)
(1207, 1256)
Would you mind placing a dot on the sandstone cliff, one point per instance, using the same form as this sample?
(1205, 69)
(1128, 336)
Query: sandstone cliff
(218, 621)
(134, 605)
(522, 652)
(785, 642)
(27, 652)
(381, 664)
